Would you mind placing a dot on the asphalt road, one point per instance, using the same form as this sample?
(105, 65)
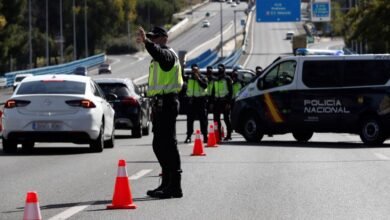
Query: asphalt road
(333, 176)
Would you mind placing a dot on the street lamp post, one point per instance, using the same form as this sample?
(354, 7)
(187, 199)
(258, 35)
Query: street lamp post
(74, 32)
(47, 33)
(221, 44)
(62, 36)
(29, 33)
(86, 28)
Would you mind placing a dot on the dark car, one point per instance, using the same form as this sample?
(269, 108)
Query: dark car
(81, 70)
(104, 68)
(132, 109)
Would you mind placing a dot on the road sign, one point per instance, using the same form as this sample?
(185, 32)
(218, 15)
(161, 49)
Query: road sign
(320, 10)
(278, 10)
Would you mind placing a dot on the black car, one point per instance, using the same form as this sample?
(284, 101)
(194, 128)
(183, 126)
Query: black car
(104, 68)
(132, 109)
(81, 70)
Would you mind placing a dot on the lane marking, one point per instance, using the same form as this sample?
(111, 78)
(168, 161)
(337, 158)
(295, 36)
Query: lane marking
(382, 156)
(78, 208)
(140, 174)
(71, 211)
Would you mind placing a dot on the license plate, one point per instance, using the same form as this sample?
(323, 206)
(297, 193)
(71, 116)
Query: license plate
(42, 125)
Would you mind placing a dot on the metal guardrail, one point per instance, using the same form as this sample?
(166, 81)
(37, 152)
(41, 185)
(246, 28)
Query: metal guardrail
(66, 68)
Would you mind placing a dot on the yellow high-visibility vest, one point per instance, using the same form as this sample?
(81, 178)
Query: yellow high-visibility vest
(194, 89)
(164, 82)
(221, 89)
(236, 88)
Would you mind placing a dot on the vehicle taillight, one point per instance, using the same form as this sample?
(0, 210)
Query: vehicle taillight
(84, 103)
(130, 101)
(16, 103)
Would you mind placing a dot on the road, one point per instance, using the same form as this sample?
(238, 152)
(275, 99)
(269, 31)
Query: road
(333, 176)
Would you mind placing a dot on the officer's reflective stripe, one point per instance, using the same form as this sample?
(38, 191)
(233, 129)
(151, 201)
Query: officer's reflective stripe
(275, 114)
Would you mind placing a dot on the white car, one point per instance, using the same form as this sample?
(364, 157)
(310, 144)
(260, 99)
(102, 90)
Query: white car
(19, 78)
(206, 23)
(58, 108)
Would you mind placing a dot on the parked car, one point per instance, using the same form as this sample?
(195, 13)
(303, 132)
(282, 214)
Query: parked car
(104, 68)
(132, 108)
(19, 78)
(81, 70)
(206, 23)
(289, 35)
(303, 95)
(58, 108)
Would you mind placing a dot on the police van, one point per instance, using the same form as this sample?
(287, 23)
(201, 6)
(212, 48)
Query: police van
(306, 94)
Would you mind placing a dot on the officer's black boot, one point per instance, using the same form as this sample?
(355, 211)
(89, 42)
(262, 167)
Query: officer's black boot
(188, 139)
(228, 137)
(174, 188)
(165, 179)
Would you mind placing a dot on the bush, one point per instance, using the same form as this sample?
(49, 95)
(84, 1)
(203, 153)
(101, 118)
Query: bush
(120, 45)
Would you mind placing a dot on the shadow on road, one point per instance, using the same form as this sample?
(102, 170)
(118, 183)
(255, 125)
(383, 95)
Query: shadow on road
(310, 144)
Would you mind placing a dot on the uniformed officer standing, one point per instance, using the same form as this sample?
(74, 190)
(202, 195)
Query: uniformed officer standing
(164, 84)
(196, 94)
(222, 92)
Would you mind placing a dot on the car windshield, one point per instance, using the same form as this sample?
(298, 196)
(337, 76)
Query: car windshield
(51, 87)
(118, 89)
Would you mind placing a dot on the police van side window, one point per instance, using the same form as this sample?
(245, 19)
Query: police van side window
(322, 73)
(280, 75)
(366, 72)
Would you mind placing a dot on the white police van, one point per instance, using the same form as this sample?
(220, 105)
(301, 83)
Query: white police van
(306, 94)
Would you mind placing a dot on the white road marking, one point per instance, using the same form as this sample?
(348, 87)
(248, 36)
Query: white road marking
(70, 212)
(140, 174)
(76, 209)
(382, 156)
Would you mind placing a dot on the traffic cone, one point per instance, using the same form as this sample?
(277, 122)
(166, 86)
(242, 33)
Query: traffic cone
(211, 141)
(31, 209)
(122, 198)
(198, 145)
(216, 132)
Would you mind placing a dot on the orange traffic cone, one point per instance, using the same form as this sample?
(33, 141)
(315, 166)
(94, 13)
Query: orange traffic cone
(198, 145)
(31, 209)
(211, 141)
(122, 198)
(216, 132)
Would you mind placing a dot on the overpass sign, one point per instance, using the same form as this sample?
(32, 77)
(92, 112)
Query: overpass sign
(278, 10)
(320, 10)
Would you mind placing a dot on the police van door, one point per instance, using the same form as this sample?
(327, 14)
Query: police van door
(277, 87)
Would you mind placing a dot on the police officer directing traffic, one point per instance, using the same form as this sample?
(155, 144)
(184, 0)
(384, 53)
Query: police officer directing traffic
(197, 102)
(164, 84)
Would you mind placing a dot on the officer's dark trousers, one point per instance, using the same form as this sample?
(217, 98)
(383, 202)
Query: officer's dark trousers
(220, 107)
(197, 108)
(164, 129)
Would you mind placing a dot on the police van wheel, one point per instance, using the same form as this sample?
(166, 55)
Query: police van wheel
(371, 132)
(302, 136)
(251, 130)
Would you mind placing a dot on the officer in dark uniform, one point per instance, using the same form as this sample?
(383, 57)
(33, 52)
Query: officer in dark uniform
(222, 92)
(197, 102)
(164, 84)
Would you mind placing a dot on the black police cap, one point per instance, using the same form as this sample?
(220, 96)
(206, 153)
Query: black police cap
(157, 32)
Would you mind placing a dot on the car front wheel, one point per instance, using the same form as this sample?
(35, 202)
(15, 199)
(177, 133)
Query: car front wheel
(251, 130)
